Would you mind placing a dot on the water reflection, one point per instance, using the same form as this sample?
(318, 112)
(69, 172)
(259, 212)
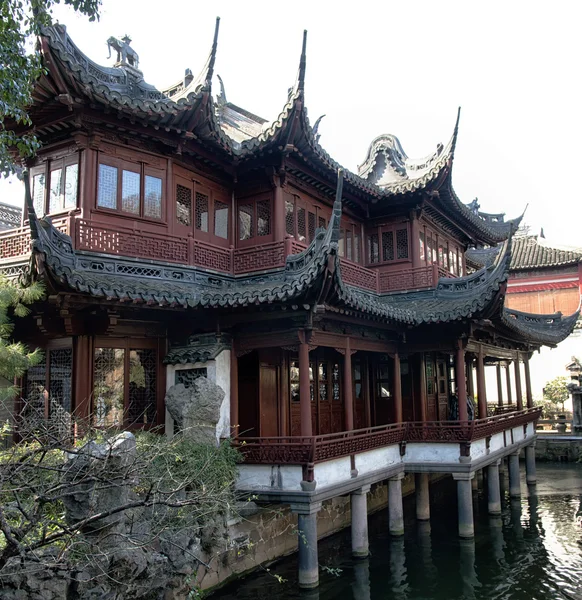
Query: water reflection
(533, 551)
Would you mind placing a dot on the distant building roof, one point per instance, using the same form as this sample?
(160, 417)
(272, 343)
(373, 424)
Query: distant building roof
(10, 216)
(533, 252)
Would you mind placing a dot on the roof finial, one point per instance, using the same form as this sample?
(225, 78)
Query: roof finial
(455, 133)
(212, 59)
(302, 64)
(32, 218)
(336, 214)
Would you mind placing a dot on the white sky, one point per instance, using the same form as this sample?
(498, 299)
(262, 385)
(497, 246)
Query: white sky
(391, 67)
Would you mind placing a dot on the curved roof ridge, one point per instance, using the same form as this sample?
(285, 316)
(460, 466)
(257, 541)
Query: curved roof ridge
(549, 329)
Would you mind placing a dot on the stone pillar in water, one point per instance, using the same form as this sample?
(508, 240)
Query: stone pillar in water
(395, 510)
(493, 489)
(421, 488)
(530, 464)
(359, 500)
(465, 504)
(514, 482)
(308, 560)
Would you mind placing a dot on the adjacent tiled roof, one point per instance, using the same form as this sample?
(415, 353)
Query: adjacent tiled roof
(201, 348)
(531, 252)
(546, 329)
(10, 216)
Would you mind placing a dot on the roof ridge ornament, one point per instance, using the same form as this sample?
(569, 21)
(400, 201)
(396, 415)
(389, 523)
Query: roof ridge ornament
(455, 134)
(126, 55)
(302, 64)
(212, 59)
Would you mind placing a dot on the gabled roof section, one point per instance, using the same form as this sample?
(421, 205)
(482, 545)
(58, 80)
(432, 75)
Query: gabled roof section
(532, 252)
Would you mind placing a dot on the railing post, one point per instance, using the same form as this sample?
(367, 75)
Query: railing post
(499, 386)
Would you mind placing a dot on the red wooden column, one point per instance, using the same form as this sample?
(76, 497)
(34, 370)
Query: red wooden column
(481, 387)
(423, 400)
(499, 386)
(348, 389)
(518, 392)
(461, 382)
(469, 376)
(508, 382)
(233, 393)
(397, 389)
(278, 212)
(415, 235)
(528, 393)
(304, 387)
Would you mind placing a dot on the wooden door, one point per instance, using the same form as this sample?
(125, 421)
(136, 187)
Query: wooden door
(248, 394)
(442, 387)
(268, 400)
(431, 387)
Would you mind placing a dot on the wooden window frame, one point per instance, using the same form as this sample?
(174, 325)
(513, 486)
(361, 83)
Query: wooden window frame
(142, 169)
(127, 344)
(255, 239)
(46, 168)
(379, 231)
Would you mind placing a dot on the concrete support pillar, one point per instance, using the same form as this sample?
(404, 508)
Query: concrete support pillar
(530, 464)
(421, 488)
(514, 482)
(397, 389)
(308, 561)
(461, 382)
(528, 392)
(359, 500)
(508, 383)
(465, 504)
(481, 387)
(499, 386)
(395, 510)
(348, 389)
(518, 392)
(493, 489)
(304, 390)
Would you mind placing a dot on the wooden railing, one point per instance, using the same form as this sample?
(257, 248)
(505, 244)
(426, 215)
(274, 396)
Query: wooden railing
(15, 243)
(321, 448)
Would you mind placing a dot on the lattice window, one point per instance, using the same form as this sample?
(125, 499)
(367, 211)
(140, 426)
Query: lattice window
(35, 394)
(311, 226)
(245, 222)
(141, 393)
(71, 185)
(201, 212)
(107, 194)
(289, 217)
(108, 386)
(401, 243)
(322, 222)
(387, 245)
(61, 372)
(373, 249)
(301, 225)
(183, 205)
(349, 253)
(264, 217)
(188, 376)
(152, 197)
(357, 248)
(130, 188)
(294, 380)
(358, 382)
(220, 219)
(422, 246)
(56, 191)
(38, 193)
(335, 383)
(429, 249)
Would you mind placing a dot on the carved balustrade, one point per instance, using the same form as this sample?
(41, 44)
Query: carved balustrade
(321, 448)
(15, 243)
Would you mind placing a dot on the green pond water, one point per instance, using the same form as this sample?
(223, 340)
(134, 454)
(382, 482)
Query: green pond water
(532, 552)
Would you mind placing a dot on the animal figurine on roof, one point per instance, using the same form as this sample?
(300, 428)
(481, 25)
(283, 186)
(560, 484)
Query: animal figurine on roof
(126, 55)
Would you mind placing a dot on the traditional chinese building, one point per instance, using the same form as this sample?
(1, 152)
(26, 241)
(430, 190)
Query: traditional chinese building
(180, 235)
